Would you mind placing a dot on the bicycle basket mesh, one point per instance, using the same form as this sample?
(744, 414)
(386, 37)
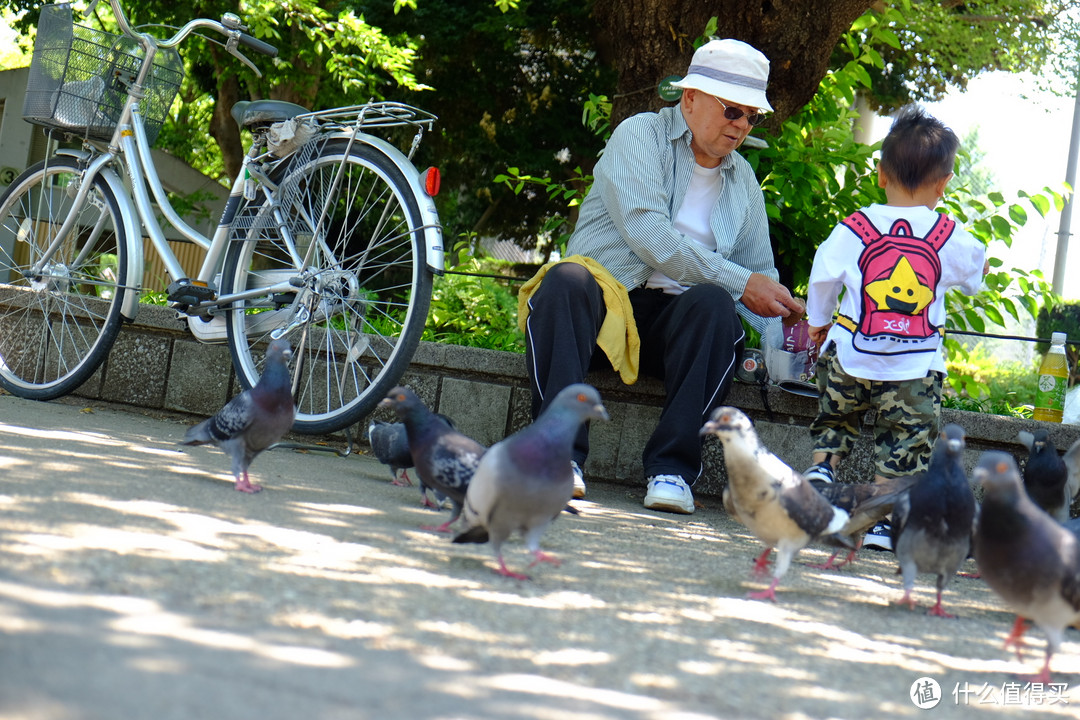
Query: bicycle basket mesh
(77, 78)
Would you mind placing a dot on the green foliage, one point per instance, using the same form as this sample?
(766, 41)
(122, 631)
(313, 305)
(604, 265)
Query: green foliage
(993, 387)
(1063, 316)
(929, 47)
(475, 311)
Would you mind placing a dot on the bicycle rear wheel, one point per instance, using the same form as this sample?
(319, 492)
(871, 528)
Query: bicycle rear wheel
(361, 302)
(58, 323)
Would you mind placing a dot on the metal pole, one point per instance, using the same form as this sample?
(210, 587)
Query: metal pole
(1066, 212)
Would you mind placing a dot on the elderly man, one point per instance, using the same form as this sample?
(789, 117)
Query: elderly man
(675, 216)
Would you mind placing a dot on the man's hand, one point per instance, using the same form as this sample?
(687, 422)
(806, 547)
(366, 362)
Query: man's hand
(768, 298)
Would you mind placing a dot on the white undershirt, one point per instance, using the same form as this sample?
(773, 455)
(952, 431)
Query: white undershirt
(692, 220)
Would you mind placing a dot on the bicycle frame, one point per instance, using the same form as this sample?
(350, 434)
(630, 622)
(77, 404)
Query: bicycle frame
(135, 149)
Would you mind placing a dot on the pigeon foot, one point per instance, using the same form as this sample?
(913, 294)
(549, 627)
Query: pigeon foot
(506, 572)
(542, 557)
(939, 611)
(246, 486)
(907, 600)
(768, 593)
(828, 564)
(444, 528)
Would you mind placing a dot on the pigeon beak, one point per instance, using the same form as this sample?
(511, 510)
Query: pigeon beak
(599, 412)
(956, 445)
(709, 428)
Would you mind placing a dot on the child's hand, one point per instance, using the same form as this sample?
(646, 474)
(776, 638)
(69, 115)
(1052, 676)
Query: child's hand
(818, 334)
(986, 267)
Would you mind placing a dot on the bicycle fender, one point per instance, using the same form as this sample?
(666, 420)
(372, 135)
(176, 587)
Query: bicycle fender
(132, 232)
(429, 216)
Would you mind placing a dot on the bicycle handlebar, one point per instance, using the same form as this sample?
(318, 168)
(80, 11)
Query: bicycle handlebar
(258, 45)
(228, 30)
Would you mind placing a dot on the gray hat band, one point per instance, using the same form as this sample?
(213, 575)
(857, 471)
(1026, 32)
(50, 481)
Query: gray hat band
(732, 78)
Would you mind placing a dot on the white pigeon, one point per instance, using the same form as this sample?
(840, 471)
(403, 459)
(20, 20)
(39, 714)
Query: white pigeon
(776, 503)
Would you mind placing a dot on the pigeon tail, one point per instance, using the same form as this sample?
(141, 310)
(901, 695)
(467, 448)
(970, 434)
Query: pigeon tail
(476, 534)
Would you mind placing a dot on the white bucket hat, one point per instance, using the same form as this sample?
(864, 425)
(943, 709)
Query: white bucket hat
(729, 69)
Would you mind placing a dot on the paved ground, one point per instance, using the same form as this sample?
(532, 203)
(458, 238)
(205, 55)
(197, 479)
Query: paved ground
(135, 583)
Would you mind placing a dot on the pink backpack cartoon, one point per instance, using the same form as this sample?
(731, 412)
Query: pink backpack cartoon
(900, 278)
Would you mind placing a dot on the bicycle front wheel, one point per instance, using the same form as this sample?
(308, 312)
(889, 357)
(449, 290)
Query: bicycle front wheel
(58, 317)
(347, 231)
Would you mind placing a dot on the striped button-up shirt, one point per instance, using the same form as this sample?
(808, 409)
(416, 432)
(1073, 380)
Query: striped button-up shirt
(627, 220)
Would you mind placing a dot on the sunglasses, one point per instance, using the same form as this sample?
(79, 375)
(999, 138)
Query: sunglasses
(733, 113)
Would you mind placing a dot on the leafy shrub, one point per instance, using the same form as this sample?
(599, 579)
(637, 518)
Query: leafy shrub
(994, 387)
(475, 311)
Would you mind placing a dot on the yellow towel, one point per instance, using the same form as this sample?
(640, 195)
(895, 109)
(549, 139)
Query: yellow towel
(618, 334)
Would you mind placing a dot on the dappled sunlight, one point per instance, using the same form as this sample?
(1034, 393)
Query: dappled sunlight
(144, 554)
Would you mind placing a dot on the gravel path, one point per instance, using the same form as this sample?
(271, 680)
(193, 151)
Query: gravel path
(135, 583)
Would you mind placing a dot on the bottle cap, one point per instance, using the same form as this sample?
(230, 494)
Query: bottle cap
(1058, 337)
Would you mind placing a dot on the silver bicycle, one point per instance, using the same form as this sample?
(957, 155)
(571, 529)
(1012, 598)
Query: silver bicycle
(329, 237)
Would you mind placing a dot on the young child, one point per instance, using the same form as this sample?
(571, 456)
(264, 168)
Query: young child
(894, 263)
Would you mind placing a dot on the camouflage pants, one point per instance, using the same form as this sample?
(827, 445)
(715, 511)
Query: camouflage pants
(907, 418)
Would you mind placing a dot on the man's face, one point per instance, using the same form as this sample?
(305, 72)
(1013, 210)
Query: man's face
(714, 136)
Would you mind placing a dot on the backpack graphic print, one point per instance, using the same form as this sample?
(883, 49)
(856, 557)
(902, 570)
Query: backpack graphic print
(900, 277)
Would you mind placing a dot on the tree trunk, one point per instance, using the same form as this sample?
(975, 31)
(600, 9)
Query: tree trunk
(647, 40)
(222, 127)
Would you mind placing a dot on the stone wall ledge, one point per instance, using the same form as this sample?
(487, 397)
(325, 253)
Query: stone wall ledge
(157, 364)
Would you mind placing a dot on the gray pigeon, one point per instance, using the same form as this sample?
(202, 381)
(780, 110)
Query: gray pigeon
(1026, 557)
(253, 420)
(526, 480)
(390, 446)
(867, 504)
(1046, 476)
(932, 523)
(775, 502)
(445, 459)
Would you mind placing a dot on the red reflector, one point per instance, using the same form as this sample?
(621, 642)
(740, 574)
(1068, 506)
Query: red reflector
(432, 180)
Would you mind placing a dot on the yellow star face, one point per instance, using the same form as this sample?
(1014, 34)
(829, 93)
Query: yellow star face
(902, 291)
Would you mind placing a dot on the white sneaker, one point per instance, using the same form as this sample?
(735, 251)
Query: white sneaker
(669, 493)
(579, 481)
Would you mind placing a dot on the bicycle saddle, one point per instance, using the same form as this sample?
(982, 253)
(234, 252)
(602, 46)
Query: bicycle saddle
(247, 113)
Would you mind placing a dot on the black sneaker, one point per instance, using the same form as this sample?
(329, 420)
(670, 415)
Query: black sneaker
(822, 472)
(878, 537)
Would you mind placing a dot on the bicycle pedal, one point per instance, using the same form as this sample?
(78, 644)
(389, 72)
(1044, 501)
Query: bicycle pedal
(190, 292)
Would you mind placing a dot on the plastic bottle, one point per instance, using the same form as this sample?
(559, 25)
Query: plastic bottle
(1053, 381)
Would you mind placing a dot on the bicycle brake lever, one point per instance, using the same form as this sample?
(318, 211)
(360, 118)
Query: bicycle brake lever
(230, 46)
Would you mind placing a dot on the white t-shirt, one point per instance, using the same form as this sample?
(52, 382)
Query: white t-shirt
(692, 220)
(894, 271)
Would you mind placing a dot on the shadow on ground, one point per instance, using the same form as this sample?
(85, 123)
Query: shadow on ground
(136, 583)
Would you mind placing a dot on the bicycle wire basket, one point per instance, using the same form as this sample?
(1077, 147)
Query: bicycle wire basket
(78, 75)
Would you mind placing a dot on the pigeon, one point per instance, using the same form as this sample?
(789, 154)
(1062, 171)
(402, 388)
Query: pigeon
(932, 523)
(1046, 477)
(526, 480)
(775, 502)
(867, 504)
(390, 445)
(1026, 557)
(444, 458)
(253, 420)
